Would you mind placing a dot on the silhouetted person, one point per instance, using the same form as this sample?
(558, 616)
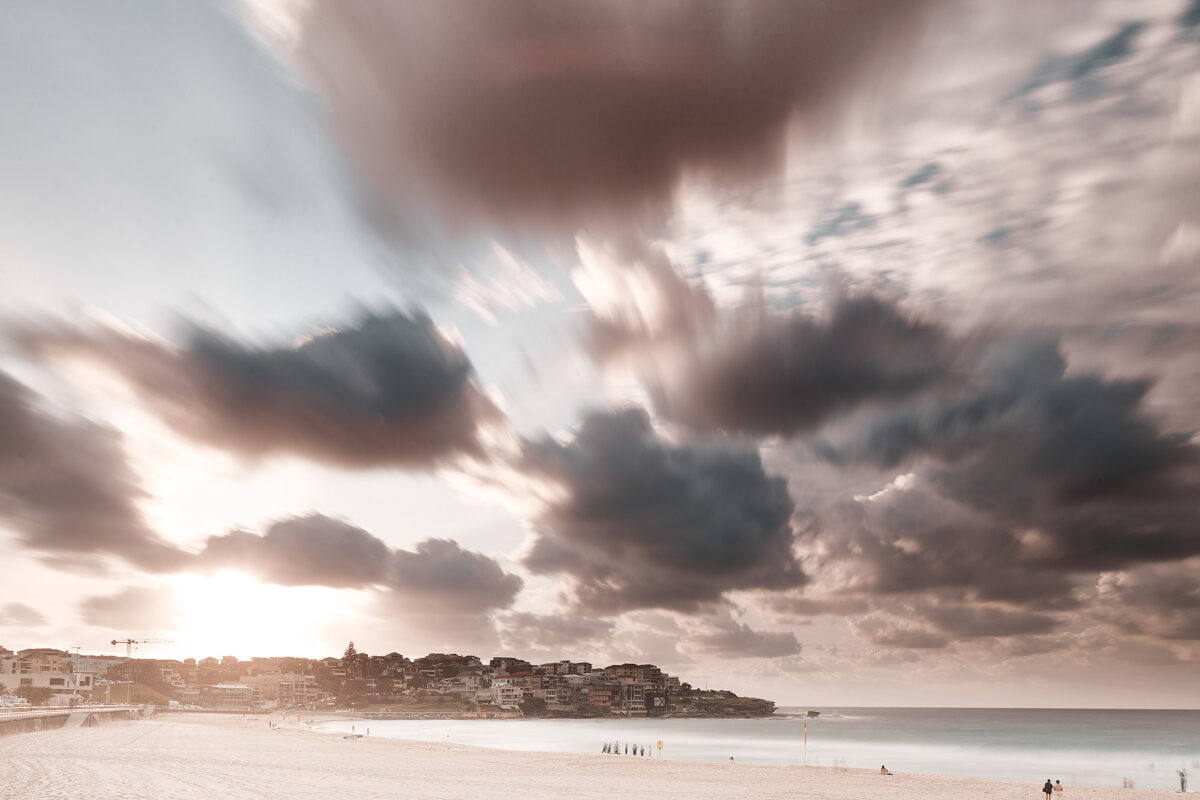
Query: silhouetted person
(1048, 789)
(1183, 780)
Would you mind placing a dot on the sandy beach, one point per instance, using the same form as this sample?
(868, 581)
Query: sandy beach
(225, 756)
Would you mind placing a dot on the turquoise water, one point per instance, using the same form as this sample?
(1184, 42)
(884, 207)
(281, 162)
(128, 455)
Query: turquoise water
(1076, 746)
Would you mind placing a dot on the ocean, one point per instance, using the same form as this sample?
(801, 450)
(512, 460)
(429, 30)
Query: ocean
(1077, 746)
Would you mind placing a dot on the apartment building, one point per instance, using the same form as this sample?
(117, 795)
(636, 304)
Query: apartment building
(226, 696)
(284, 689)
(564, 668)
(92, 665)
(636, 673)
(65, 682)
(42, 668)
(299, 690)
(503, 695)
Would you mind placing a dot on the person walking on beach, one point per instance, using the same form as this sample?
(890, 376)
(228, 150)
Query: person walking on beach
(1183, 780)
(1048, 789)
(1058, 789)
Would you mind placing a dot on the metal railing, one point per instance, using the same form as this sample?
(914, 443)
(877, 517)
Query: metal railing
(30, 712)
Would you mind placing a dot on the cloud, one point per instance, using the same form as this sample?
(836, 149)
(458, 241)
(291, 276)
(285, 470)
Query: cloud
(314, 550)
(1078, 436)
(640, 523)
(1159, 600)
(771, 374)
(979, 620)
(19, 615)
(916, 541)
(795, 605)
(440, 576)
(726, 637)
(751, 370)
(566, 115)
(1059, 470)
(1081, 67)
(1020, 481)
(66, 489)
(636, 298)
(891, 632)
(1190, 16)
(390, 390)
(437, 576)
(556, 633)
(135, 608)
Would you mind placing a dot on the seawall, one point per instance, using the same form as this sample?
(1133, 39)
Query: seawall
(79, 716)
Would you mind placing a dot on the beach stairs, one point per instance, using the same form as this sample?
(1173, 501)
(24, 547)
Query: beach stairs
(82, 719)
(92, 719)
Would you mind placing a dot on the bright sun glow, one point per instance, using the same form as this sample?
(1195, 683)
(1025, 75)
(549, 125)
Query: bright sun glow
(232, 614)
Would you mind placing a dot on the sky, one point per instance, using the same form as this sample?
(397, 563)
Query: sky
(835, 353)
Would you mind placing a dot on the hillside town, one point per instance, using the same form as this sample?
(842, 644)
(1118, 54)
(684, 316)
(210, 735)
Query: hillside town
(443, 684)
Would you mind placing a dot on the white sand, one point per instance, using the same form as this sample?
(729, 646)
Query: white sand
(218, 757)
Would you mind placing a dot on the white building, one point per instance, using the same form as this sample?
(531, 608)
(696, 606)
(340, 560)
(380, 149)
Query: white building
(93, 665)
(504, 695)
(66, 682)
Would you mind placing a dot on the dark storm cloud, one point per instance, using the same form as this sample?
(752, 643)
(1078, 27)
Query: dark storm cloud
(1025, 480)
(571, 114)
(390, 390)
(1161, 600)
(135, 608)
(774, 375)
(315, 550)
(1071, 437)
(641, 523)
(303, 551)
(19, 615)
(1190, 17)
(66, 489)
(971, 621)
(912, 542)
(732, 639)
(441, 576)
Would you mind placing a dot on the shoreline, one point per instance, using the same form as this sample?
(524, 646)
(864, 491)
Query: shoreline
(204, 756)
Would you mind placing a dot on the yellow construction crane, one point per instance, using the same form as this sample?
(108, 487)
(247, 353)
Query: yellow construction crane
(129, 643)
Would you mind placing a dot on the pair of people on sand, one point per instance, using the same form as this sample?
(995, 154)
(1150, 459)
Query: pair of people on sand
(1052, 789)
